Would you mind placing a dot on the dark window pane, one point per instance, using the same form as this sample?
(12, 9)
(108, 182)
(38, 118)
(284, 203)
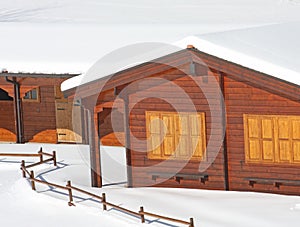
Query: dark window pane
(33, 94)
(27, 95)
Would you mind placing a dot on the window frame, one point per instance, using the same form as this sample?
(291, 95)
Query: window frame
(30, 99)
(276, 139)
(201, 137)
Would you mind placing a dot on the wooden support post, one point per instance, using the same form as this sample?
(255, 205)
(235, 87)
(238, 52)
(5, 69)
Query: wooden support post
(225, 142)
(142, 214)
(32, 181)
(69, 186)
(54, 158)
(191, 222)
(23, 168)
(104, 201)
(41, 154)
(127, 141)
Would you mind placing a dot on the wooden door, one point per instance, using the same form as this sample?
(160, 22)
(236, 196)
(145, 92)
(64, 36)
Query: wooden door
(68, 122)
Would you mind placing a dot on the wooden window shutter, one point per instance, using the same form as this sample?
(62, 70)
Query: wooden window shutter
(284, 143)
(177, 136)
(267, 139)
(252, 138)
(198, 135)
(272, 139)
(182, 136)
(296, 140)
(153, 120)
(169, 134)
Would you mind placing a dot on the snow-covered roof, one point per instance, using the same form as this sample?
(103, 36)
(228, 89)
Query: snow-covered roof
(270, 49)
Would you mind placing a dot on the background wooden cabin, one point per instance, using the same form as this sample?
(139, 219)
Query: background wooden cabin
(46, 115)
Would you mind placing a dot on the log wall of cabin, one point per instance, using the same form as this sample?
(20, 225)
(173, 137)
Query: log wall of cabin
(7, 121)
(39, 117)
(242, 98)
(111, 127)
(142, 166)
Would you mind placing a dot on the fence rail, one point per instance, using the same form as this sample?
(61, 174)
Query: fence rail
(102, 199)
(19, 155)
(142, 212)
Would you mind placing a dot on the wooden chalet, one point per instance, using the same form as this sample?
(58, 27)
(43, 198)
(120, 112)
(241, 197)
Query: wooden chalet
(33, 109)
(243, 134)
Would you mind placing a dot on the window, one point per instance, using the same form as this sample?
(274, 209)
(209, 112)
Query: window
(272, 139)
(175, 135)
(32, 95)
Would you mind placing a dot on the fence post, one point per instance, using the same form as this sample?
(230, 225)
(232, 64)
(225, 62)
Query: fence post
(192, 222)
(104, 201)
(142, 214)
(32, 181)
(54, 158)
(41, 154)
(23, 168)
(70, 203)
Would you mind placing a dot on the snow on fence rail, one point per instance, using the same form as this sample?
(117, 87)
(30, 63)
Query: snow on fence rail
(141, 213)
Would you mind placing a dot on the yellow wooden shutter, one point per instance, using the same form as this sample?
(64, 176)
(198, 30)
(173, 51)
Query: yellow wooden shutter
(182, 136)
(169, 134)
(173, 135)
(198, 137)
(296, 139)
(267, 139)
(154, 135)
(252, 138)
(284, 136)
(272, 138)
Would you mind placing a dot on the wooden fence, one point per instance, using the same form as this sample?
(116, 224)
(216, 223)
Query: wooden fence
(69, 188)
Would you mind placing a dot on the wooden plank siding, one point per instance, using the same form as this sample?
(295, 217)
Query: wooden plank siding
(242, 98)
(7, 121)
(111, 126)
(139, 105)
(40, 117)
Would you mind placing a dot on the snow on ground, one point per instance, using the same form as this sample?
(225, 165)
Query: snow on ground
(149, 12)
(20, 206)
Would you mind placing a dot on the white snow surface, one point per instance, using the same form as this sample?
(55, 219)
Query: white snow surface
(20, 206)
(69, 36)
(149, 11)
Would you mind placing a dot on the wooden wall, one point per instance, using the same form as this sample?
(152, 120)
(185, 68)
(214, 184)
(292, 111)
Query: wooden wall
(7, 121)
(142, 166)
(242, 98)
(39, 117)
(109, 135)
